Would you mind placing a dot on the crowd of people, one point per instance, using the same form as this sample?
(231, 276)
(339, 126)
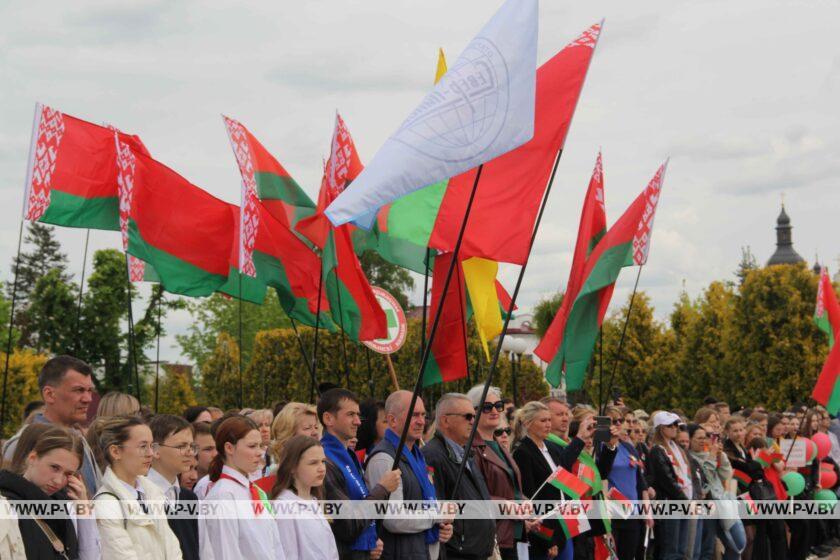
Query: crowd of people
(128, 461)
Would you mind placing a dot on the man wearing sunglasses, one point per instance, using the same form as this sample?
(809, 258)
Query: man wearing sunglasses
(454, 417)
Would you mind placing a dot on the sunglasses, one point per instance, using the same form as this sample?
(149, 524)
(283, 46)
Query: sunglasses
(617, 421)
(499, 431)
(487, 407)
(468, 416)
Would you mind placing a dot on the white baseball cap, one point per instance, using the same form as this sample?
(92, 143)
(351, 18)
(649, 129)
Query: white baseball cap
(665, 418)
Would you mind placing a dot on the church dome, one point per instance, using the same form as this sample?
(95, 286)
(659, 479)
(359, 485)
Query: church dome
(785, 253)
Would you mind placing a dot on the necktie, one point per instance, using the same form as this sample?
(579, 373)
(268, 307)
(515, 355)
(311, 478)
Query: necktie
(143, 505)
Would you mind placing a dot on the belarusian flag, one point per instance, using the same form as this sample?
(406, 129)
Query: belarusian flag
(566, 482)
(353, 304)
(618, 503)
(593, 226)
(827, 390)
(588, 472)
(574, 525)
(827, 312)
(744, 480)
(627, 243)
(262, 173)
(513, 185)
(448, 354)
(543, 532)
(185, 233)
(71, 178)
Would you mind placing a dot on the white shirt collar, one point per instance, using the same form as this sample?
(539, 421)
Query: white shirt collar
(133, 490)
(170, 489)
(233, 473)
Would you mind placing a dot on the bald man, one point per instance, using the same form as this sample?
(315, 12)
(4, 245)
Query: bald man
(417, 538)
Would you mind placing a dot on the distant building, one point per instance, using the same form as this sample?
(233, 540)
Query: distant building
(785, 253)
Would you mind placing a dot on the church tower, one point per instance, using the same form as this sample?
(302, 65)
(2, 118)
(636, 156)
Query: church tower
(785, 253)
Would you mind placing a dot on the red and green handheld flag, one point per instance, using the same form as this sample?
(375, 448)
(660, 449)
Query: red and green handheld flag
(574, 524)
(566, 482)
(827, 390)
(627, 243)
(512, 185)
(592, 227)
(827, 312)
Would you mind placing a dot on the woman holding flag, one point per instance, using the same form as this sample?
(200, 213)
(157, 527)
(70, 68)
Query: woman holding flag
(247, 528)
(545, 469)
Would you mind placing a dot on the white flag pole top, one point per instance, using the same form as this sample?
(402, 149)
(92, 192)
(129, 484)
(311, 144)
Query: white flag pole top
(482, 108)
(641, 240)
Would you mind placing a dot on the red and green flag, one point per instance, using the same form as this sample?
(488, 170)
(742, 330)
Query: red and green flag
(353, 305)
(593, 226)
(574, 524)
(544, 532)
(568, 483)
(827, 390)
(627, 243)
(185, 233)
(512, 185)
(448, 354)
(827, 312)
(71, 177)
(744, 480)
(588, 472)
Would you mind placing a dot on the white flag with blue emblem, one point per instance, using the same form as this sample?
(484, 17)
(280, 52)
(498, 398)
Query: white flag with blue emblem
(482, 108)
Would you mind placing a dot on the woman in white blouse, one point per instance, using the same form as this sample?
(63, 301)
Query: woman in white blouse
(300, 484)
(243, 526)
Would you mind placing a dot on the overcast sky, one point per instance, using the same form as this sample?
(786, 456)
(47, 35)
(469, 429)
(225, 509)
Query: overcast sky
(741, 95)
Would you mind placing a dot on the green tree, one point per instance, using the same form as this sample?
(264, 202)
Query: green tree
(220, 373)
(176, 392)
(42, 254)
(774, 350)
(22, 386)
(218, 314)
(545, 311)
(390, 277)
(51, 315)
(747, 264)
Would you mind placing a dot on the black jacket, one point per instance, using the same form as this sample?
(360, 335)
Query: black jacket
(347, 530)
(185, 528)
(535, 470)
(471, 538)
(662, 477)
(35, 542)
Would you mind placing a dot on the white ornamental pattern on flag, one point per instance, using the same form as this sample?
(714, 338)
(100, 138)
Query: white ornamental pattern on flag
(641, 240)
(126, 166)
(588, 38)
(338, 165)
(598, 177)
(49, 132)
(249, 218)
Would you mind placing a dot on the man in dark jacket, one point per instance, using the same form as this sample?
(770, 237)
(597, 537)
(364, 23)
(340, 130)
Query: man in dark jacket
(454, 417)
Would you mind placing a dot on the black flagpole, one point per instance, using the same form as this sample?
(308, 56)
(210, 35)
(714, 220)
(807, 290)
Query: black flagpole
(303, 354)
(343, 334)
(241, 387)
(157, 357)
(370, 373)
(623, 333)
(600, 368)
(418, 385)
(426, 391)
(498, 350)
(132, 348)
(462, 309)
(315, 344)
(81, 292)
(11, 323)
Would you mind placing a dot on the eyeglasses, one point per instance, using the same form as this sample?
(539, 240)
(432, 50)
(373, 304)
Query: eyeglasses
(468, 416)
(145, 449)
(617, 421)
(488, 406)
(498, 432)
(183, 449)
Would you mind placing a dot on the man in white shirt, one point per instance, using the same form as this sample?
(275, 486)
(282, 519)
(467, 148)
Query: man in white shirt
(176, 450)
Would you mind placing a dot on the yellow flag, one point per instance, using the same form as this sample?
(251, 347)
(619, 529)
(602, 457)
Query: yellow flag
(441, 67)
(480, 277)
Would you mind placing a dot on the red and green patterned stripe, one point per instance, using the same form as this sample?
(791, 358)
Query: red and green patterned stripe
(566, 482)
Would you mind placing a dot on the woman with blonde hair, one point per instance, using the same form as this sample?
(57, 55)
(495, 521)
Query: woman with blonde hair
(263, 419)
(127, 527)
(537, 458)
(296, 419)
(117, 404)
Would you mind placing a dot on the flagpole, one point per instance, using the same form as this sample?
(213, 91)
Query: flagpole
(341, 320)
(464, 328)
(132, 348)
(241, 389)
(302, 348)
(157, 357)
(315, 345)
(369, 372)
(509, 314)
(425, 304)
(418, 385)
(623, 333)
(600, 367)
(81, 292)
(11, 323)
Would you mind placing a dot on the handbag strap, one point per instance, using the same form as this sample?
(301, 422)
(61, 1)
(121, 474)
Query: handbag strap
(56, 543)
